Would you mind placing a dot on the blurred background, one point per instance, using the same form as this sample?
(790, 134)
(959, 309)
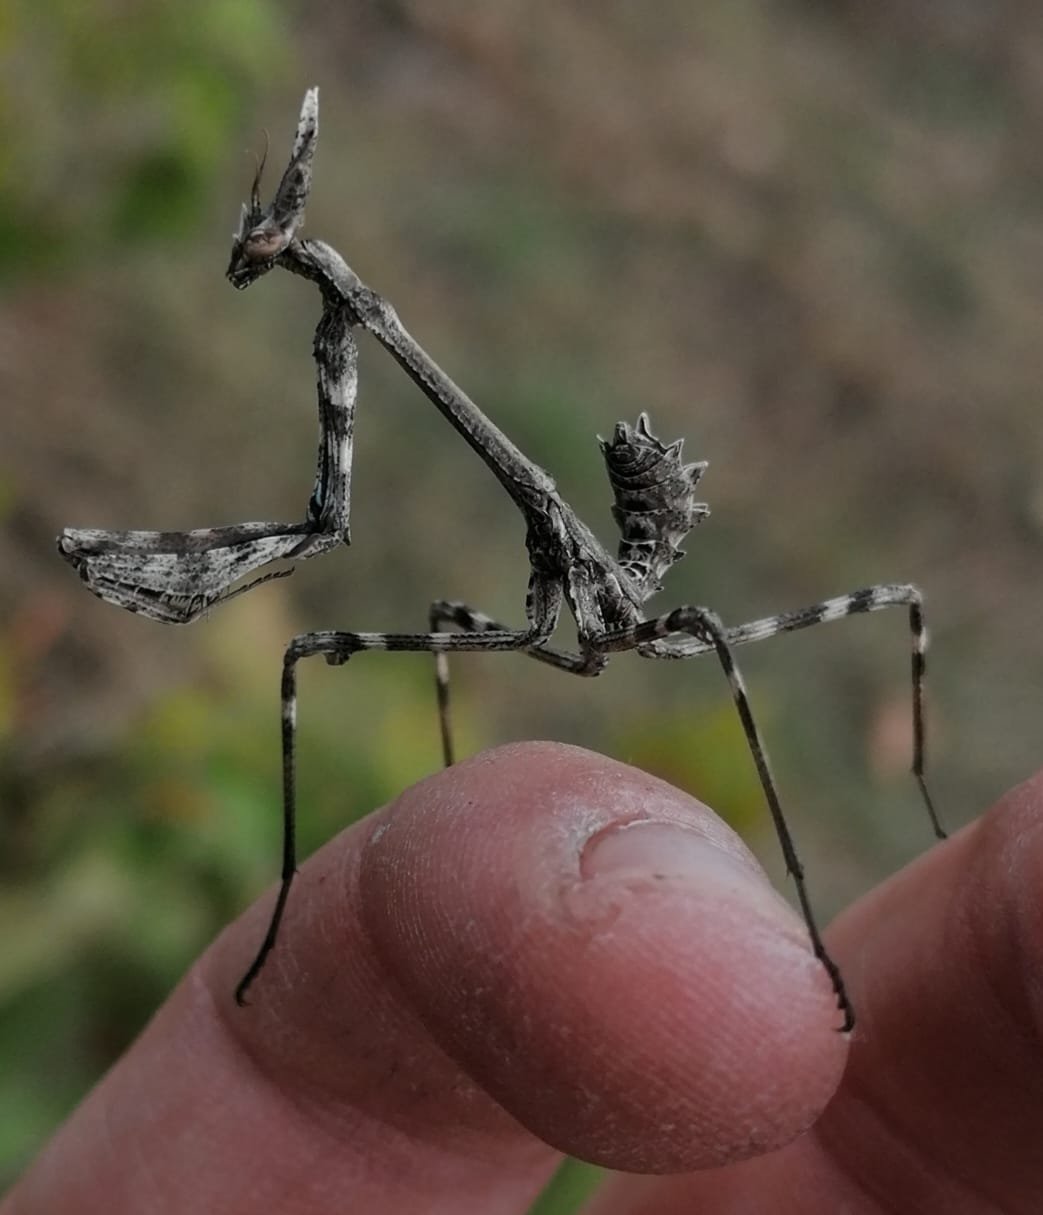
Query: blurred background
(806, 236)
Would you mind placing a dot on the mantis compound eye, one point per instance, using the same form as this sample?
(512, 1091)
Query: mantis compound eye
(263, 244)
(255, 254)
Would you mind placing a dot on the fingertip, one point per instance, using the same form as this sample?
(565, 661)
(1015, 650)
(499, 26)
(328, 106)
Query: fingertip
(602, 955)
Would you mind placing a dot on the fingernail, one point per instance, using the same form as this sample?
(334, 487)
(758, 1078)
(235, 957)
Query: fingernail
(662, 850)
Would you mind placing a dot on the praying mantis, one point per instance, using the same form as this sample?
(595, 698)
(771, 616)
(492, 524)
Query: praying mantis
(177, 577)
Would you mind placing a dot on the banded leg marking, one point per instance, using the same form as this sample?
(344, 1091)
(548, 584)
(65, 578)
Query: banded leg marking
(868, 599)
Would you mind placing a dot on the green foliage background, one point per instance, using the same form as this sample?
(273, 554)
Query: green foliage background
(805, 236)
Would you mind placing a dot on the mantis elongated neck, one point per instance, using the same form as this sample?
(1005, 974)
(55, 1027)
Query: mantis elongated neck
(523, 480)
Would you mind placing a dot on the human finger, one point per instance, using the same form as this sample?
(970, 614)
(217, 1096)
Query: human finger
(536, 951)
(941, 1107)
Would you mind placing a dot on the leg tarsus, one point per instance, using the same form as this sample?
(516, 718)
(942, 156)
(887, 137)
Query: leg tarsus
(928, 801)
(267, 945)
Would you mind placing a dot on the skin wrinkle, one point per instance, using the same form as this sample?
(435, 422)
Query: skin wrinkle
(1016, 1017)
(933, 1177)
(394, 1148)
(325, 1127)
(1022, 1004)
(366, 1097)
(246, 1079)
(292, 1098)
(847, 1156)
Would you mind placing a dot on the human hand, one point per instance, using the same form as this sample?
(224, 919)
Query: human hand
(541, 950)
